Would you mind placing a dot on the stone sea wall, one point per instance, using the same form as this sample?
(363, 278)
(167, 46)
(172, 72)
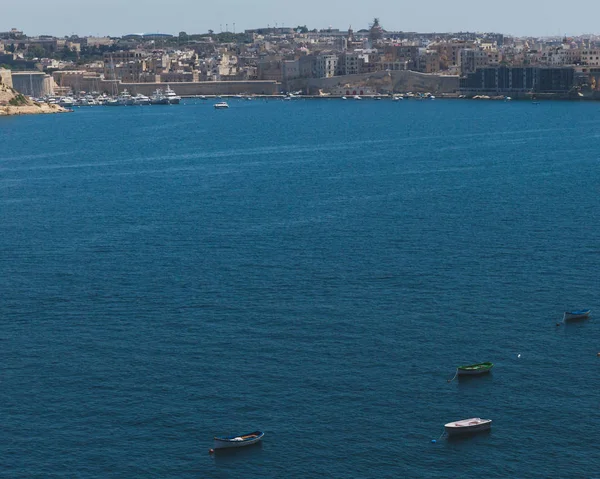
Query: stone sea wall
(383, 82)
(84, 83)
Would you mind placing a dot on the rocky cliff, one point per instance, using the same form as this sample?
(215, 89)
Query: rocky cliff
(14, 103)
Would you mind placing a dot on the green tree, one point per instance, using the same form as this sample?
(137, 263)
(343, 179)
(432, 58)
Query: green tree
(36, 51)
(301, 29)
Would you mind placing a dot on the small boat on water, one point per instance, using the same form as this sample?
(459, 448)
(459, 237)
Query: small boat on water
(221, 105)
(226, 442)
(468, 426)
(581, 314)
(474, 369)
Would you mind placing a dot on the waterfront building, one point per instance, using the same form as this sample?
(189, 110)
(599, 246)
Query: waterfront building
(471, 59)
(513, 80)
(406, 54)
(351, 63)
(308, 66)
(291, 69)
(326, 65)
(428, 61)
(591, 57)
(270, 69)
(450, 52)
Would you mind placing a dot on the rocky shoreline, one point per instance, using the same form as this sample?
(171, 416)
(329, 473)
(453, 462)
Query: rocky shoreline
(33, 109)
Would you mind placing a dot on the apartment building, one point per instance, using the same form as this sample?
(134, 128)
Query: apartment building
(326, 66)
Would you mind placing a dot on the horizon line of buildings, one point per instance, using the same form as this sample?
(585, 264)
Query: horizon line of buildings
(286, 56)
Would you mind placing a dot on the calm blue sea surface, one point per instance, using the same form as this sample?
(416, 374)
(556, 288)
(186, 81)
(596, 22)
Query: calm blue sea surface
(313, 269)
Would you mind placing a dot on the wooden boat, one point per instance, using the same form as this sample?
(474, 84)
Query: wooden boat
(468, 426)
(225, 442)
(582, 314)
(474, 369)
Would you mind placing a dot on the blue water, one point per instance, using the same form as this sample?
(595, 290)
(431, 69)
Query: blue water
(313, 269)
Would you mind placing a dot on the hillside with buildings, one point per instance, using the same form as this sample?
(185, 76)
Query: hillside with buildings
(274, 60)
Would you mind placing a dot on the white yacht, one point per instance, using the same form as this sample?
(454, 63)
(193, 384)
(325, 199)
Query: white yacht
(221, 105)
(159, 98)
(140, 99)
(173, 98)
(125, 98)
(66, 102)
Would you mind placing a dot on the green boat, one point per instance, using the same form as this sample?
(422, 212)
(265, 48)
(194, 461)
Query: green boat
(474, 369)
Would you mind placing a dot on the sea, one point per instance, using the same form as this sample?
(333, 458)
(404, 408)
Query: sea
(313, 269)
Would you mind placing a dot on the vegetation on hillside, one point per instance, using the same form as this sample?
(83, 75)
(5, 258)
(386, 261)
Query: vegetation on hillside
(18, 100)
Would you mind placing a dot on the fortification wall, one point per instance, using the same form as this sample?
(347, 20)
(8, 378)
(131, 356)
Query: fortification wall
(383, 82)
(6, 77)
(34, 84)
(83, 83)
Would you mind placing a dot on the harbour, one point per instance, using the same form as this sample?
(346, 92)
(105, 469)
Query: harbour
(306, 269)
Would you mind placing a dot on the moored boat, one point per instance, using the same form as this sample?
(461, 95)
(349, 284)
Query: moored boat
(468, 426)
(226, 442)
(581, 314)
(172, 97)
(140, 99)
(159, 98)
(125, 98)
(474, 369)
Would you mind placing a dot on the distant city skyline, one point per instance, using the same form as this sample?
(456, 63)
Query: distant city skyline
(67, 17)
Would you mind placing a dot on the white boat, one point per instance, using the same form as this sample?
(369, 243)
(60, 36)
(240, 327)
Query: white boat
(468, 426)
(581, 314)
(226, 442)
(172, 97)
(344, 98)
(125, 98)
(159, 98)
(221, 105)
(356, 97)
(66, 102)
(140, 99)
